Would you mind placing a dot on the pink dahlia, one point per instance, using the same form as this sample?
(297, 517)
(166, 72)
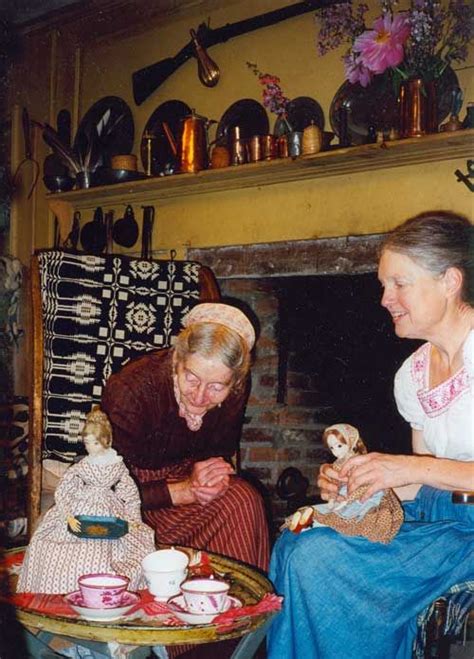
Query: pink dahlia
(382, 47)
(356, 71)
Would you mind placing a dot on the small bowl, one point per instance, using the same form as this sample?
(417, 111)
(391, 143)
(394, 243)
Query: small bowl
(109, 176)
(59, 183)
(205, 595)
(102, 591)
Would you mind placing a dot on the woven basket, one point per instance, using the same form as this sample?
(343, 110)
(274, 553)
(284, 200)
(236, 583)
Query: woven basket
(128, 162)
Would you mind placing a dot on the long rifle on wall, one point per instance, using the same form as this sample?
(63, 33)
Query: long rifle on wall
(145, 81)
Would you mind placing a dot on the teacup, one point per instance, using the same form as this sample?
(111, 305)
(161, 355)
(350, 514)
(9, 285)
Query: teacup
(102, 591)
(164, 571)
(205, 595)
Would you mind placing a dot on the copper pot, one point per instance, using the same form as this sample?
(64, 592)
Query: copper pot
(193, 152)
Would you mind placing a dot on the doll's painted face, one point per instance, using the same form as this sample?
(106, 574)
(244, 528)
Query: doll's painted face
(93, 445)
(337, 447)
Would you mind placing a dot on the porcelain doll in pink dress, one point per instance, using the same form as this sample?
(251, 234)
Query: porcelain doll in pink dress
(98, 485)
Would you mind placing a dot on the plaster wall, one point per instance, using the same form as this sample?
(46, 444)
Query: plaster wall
(72, 66)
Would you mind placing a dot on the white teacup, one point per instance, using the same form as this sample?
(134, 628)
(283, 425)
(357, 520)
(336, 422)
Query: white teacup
(205, 595)
(164, 572)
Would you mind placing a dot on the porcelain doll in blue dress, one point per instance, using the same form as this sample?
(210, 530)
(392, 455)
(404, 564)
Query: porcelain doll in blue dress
(378, 518)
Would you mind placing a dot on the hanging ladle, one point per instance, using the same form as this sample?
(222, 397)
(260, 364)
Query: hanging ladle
(125, 230)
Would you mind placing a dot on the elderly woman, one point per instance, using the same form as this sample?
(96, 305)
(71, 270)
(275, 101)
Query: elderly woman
(345, 596)
(177, 415)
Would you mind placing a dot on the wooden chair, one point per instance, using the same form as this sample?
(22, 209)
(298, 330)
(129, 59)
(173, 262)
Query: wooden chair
(91, 314)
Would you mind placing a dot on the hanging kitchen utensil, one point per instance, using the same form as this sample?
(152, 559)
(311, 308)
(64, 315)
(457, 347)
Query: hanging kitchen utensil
(73, 237)
(27, 126)
(109, 223)
(93, 234)
(147, 231)
(125, 230)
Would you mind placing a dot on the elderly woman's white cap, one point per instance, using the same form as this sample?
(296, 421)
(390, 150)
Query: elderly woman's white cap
(222, 314)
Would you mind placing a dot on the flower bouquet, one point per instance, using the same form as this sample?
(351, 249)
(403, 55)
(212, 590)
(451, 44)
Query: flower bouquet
(420, 42)
(273, 96)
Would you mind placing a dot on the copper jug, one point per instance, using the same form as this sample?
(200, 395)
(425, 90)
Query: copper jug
(193, 147)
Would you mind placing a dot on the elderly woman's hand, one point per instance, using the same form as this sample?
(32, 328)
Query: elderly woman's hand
(210, 472)
(329, 481)
(376, 471)
(210, 479)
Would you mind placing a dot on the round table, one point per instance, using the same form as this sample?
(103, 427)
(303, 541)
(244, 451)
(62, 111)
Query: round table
(246, 583)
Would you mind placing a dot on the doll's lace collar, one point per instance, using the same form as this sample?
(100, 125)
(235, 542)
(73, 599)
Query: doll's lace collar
(109, 456)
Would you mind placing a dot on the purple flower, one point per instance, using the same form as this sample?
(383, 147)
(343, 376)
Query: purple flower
(356, 71)
(273, 97)
(382, 47)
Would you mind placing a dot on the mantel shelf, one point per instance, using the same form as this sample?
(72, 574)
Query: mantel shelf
(338, 162)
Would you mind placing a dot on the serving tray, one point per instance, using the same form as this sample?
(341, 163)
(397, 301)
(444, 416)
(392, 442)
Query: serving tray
(100, 528)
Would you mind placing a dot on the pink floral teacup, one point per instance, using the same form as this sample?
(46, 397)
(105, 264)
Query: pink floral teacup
(102, 591)
(205, 595)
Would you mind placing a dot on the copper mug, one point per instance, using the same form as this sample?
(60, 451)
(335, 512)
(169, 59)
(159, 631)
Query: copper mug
(238, 147)
(269, 144)
(255, 148)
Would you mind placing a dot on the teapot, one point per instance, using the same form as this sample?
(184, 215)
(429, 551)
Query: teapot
(193, 150)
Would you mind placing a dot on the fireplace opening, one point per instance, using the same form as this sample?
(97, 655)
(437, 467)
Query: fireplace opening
(333, 334)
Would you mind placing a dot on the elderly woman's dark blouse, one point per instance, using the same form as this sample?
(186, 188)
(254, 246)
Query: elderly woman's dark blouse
(148, 431)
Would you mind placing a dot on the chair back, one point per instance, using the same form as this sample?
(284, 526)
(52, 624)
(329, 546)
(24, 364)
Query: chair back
(91, 315)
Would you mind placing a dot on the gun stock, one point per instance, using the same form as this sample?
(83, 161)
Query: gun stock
(147, 80)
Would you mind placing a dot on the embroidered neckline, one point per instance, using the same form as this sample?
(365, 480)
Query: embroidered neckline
(436, 400)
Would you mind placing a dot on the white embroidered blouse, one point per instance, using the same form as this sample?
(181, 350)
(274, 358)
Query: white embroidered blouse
(445, 413)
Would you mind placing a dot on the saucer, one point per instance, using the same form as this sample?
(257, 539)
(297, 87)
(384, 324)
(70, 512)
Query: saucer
(177, 605)
(76, 601)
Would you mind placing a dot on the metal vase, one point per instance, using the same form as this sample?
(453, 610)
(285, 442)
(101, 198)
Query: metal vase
(417, 108)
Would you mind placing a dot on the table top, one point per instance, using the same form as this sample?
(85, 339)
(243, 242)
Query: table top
(246, 583)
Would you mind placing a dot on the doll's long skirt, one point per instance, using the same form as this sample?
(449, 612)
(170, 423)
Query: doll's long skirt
(348, 598)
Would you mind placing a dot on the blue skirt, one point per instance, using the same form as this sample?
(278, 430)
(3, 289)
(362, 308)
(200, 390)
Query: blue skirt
(346, 597)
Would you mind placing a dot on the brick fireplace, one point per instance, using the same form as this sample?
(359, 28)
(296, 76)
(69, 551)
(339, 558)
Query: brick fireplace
(326, 352)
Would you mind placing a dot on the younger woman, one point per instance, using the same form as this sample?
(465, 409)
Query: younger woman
(344, 596)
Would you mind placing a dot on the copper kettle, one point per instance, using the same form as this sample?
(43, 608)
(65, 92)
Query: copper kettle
(193, 151)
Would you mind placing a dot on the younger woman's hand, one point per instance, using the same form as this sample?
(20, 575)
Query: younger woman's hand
(329, 482)
(376, 471)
